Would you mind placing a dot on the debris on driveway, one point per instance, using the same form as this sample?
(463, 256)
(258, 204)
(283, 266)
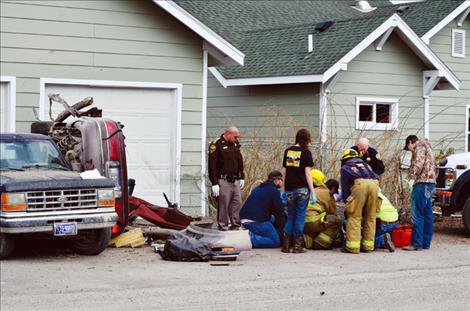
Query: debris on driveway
(165, 217)
(133, 238)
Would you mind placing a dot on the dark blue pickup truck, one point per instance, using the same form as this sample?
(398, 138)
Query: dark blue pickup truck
(40, 193)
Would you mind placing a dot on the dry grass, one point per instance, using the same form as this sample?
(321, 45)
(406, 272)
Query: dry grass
(263, 152)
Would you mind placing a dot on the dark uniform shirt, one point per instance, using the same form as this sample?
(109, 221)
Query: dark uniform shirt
(372, 158)
(263, 202)
(225, 159)
(354, 169)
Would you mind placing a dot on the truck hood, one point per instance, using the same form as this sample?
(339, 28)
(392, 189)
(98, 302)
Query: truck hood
(458, 159)
(37, 179)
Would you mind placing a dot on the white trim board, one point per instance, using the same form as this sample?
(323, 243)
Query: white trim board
(11, 106)
(395, 21)
(467, 125)
(202, 30)
(205, 60)
(265, 81)
(175, 87)
(454, 14)
(415, 43)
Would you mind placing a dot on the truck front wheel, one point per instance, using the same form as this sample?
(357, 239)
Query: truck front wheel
(7, 244)
(466, 215)
(92, 242)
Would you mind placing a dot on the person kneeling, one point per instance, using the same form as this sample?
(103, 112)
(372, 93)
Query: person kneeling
(262, 213)
(387, 221)
(322, 224)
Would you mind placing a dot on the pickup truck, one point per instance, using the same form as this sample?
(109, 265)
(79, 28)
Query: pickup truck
(453, 186)
(40, 193)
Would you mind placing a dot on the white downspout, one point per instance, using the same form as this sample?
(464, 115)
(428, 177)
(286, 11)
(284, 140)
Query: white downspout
(203, 132)
(426, 117)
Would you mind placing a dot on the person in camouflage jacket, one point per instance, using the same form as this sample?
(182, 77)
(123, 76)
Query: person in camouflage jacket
(422, 171)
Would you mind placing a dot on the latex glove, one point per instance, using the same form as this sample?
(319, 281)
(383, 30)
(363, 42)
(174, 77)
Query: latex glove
(215, 190)
(242, 183)
(313, 198)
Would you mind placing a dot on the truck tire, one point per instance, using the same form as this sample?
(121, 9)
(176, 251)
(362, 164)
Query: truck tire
(41, 127)
(92, 242)
(7, 244)
(466, 215)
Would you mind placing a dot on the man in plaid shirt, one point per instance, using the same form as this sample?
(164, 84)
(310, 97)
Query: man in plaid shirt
(422, 171)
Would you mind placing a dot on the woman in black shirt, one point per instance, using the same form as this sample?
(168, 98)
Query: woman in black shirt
(297, 164)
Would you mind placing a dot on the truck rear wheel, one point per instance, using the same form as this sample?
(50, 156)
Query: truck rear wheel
(92, 242)
(466, 215)
(7, 244)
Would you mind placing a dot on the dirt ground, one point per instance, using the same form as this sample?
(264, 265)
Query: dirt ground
(450, 230)
(46, 275)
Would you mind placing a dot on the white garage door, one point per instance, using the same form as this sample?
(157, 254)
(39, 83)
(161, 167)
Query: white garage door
(150, 123)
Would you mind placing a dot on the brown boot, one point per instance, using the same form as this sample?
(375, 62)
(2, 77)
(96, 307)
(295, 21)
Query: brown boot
(286, 243)
(299, 244)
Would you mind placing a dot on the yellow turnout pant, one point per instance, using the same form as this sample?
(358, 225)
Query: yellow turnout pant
(363, 201)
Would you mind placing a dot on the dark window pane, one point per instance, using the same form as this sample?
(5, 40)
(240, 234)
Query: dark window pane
(365, 113)
(468, 139)
(468, 120)
(383, 113)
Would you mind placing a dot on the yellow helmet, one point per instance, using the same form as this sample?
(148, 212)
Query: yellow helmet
(318, 177)
(349, 153)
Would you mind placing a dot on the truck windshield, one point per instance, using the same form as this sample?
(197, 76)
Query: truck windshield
(25, 154)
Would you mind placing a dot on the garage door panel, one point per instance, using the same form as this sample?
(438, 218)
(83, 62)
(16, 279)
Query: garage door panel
(144, 126)
(154, 153)
(149, 127)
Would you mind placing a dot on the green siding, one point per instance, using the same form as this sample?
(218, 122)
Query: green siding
(395, 72)
(105, 40)
(447, 108)
(269, 114)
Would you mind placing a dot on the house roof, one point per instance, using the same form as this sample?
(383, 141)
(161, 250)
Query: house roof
(273, 34)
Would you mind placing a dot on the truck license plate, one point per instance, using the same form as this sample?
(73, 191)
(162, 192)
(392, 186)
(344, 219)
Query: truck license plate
(66, 228)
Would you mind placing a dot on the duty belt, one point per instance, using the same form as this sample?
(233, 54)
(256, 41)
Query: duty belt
(229, 178)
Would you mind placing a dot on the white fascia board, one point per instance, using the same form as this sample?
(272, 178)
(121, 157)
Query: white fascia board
(391, 22)
(395, 21)
(265, 81)
(427, 53)
(202, 30)
(459, 10)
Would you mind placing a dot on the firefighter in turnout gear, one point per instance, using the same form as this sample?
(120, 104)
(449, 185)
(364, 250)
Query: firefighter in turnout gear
(360, 191)
(322, 224)
(227, 178)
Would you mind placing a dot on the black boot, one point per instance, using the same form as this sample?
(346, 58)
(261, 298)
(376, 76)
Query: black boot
(299, 244)
(286, 243)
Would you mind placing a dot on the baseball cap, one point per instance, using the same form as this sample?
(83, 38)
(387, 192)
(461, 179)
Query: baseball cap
(274, 175)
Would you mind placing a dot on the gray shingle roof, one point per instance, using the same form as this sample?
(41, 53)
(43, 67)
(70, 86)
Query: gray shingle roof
(273, 34)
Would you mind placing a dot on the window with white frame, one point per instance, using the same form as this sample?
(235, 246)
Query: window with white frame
(376, 113)
(458, 43)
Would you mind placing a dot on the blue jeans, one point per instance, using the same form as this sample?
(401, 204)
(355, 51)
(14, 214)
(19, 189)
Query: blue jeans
(297, 201)
(421, 214)
(263, 234)
(380, 232)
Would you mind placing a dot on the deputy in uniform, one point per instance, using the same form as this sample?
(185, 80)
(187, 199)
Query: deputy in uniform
(322, 224)
(360, 191)
(369, 155)
(227, 178)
